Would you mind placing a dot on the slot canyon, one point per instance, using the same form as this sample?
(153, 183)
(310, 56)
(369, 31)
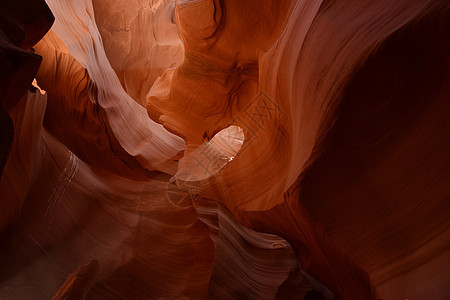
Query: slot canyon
(225, 149)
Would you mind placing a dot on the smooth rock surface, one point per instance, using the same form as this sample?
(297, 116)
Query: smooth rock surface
(225, 149)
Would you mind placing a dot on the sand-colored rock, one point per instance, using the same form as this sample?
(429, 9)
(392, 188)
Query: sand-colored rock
(225, 149)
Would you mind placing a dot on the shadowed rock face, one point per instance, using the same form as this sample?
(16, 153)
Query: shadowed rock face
(22, 24)
(7, 133)
(226, 150)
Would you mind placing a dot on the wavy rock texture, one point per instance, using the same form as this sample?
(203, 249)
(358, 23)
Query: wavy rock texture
(22, 24)
(220, 149)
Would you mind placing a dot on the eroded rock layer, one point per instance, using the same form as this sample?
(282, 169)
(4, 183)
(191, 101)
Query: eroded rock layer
(22, 24)
(221, 149)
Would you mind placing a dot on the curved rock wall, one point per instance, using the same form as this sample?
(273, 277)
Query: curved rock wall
(226, 150)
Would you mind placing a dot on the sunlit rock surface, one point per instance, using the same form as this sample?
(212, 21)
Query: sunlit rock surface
(224, 149)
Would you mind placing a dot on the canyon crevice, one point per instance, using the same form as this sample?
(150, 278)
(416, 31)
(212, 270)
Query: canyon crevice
(223, 149)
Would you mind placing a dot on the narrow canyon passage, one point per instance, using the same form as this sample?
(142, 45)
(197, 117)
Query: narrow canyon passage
(223, 149)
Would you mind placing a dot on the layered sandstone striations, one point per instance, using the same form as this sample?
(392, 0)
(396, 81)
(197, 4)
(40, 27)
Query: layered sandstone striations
(226, 150)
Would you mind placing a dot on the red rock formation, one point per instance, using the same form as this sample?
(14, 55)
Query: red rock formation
(22, 24)
(225, 150)
(78, 283)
